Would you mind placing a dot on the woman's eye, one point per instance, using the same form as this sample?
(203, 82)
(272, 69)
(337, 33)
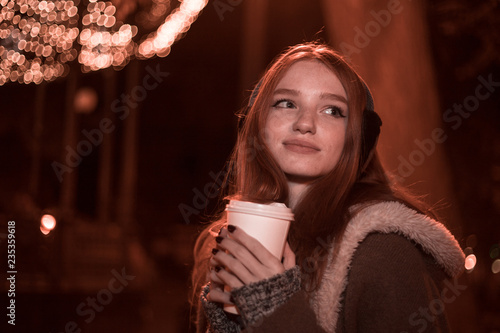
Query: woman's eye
(335, 111)
(284, 103)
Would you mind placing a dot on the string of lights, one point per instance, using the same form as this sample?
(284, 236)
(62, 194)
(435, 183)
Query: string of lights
(39, 38)
(177, 24)
(36, 39)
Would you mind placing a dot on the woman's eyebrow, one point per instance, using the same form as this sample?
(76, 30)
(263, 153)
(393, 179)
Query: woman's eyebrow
(285, 91)
(333, 96)
(324, 95)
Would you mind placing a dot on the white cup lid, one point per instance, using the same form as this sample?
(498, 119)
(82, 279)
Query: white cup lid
(275, 210)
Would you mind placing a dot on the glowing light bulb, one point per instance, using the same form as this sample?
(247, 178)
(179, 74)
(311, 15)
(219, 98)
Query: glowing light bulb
(470, 262)
(48, 222)
(44, 231)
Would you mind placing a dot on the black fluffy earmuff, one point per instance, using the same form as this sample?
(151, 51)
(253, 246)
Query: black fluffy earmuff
(371, 129)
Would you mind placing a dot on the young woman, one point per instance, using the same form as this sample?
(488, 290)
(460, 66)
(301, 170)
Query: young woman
(361, 256)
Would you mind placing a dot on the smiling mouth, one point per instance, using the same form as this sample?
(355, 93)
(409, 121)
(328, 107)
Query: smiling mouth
(301, 147)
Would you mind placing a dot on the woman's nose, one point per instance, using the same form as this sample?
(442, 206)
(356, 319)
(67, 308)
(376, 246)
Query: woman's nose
(305, 122)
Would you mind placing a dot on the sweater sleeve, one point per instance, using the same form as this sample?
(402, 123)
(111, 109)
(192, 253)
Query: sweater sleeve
(276, 305)
(294, 316)
(273, 305)
(216, 320)
(393, 286)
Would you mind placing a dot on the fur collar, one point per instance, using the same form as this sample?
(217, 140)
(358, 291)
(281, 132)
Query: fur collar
(384, 217)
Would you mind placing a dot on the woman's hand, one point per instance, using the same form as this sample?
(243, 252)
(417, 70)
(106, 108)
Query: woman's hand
(239, 260)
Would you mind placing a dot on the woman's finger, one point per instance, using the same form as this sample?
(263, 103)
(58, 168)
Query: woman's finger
(219, 295)
(233, 265)
(213, 262)
(214, 278)
(240, 261)
(227, 277)
(223, 232)
(272, 264)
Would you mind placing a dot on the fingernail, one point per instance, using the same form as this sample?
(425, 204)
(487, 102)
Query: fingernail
(217, 269)
(214, 251)
(231, 228)
(218, 239)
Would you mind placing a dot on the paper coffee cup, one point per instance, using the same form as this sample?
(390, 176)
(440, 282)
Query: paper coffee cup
(268, 223)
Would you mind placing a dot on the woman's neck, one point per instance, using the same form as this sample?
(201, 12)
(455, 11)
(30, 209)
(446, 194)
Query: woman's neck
(296, 190)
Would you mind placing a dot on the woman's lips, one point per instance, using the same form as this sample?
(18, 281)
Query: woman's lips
(300, 146)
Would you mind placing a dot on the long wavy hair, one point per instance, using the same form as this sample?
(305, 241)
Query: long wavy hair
(324, 211)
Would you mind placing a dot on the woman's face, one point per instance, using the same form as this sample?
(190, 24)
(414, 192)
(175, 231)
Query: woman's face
(306, 125)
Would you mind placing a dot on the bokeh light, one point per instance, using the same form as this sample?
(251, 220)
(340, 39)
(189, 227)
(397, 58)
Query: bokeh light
(470, 262)
(104, 42)
(85, 100)
(471, 241)
(48, 221)
(495, 267)
(37, 38)
(468, 250)
(494, 251)
(44, 230)
(174, 26)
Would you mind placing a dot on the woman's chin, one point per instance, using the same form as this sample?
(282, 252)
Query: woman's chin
(301, 178)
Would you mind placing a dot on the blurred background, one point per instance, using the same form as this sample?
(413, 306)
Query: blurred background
(117, 119)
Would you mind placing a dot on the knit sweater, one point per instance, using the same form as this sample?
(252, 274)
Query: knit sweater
(395, 272)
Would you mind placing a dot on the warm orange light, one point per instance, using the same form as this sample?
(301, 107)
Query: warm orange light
(470, 262)
(44, 230)
(85, 100)
(175, 25)
(44, 32)
(48, 222)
